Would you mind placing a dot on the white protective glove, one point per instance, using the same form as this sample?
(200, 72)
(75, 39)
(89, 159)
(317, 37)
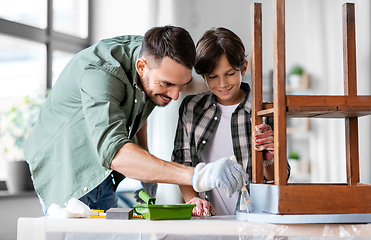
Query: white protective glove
(202, 208)
(222, 173)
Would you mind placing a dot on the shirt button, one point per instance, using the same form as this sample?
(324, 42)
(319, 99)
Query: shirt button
(85, 189)
(65, 204)
(135, 100)
(203, 142)
(107, 172)
(215, 118)
(129, 128)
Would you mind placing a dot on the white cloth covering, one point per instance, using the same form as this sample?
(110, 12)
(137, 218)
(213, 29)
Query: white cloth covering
(74, 209)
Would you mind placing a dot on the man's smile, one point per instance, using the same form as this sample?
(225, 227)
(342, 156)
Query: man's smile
(165, 99)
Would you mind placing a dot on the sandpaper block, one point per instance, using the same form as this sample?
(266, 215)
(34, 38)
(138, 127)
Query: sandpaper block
(119, 213)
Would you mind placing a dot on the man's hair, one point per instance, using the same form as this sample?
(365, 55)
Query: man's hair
(213, 44)
(169, 41)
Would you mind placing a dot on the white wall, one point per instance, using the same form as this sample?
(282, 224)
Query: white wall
(313, 40)
(14, 207)
(115, 17)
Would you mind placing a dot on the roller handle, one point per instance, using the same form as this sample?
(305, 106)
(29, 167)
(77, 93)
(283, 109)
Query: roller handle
(146, 198)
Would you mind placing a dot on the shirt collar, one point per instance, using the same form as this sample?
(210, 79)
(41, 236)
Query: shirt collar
(136, 80)
(245, 104)
(133, 66)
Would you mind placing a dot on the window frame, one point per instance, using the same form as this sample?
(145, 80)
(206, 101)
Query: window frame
(53, 40)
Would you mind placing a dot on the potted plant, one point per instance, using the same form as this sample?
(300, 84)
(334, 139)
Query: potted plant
(295, 76)
(16, 125)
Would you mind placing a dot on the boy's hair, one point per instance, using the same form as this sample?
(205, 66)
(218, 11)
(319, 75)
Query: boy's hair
(214, 43)
(169, 41)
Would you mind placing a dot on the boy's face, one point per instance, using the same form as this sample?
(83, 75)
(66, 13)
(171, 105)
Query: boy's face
(163, 82)
(225, 82)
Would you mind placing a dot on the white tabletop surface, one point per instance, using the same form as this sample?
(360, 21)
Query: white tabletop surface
(223, 228)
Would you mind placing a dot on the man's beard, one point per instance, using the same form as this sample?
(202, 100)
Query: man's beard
(157, 103)
(152, 97)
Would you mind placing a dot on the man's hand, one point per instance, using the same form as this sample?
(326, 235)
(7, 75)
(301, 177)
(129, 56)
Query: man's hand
(222, 173)
(264, 140)
(202, 208)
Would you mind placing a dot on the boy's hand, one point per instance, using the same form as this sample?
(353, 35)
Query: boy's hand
(263, 139)
(202, 208)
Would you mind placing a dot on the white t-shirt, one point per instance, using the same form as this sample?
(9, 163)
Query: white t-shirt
(219, 146)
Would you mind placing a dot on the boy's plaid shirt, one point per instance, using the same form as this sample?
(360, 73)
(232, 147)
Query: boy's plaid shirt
(199, 117)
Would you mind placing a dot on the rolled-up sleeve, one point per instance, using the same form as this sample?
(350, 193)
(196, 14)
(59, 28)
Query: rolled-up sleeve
(101, 95)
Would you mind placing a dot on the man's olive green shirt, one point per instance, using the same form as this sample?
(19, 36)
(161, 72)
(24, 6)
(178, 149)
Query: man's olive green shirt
(85, 120)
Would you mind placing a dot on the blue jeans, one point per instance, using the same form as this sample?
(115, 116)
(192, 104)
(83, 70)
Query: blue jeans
(102, 197)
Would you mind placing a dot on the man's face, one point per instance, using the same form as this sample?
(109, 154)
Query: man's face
(163, 82)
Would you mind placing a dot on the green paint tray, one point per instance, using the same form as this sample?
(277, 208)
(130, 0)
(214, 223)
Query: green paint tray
(152, 211)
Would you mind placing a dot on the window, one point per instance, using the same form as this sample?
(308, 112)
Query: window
(33, 13)
(37, 39)
(71, 17)
(22, 67)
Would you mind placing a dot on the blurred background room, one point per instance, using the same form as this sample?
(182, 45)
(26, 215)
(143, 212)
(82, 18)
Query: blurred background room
(39, 37)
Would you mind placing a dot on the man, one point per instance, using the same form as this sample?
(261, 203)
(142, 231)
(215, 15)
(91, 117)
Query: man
(91, 132)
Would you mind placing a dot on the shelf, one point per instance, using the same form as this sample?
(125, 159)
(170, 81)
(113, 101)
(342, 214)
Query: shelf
(6, 194)
(319, 106)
